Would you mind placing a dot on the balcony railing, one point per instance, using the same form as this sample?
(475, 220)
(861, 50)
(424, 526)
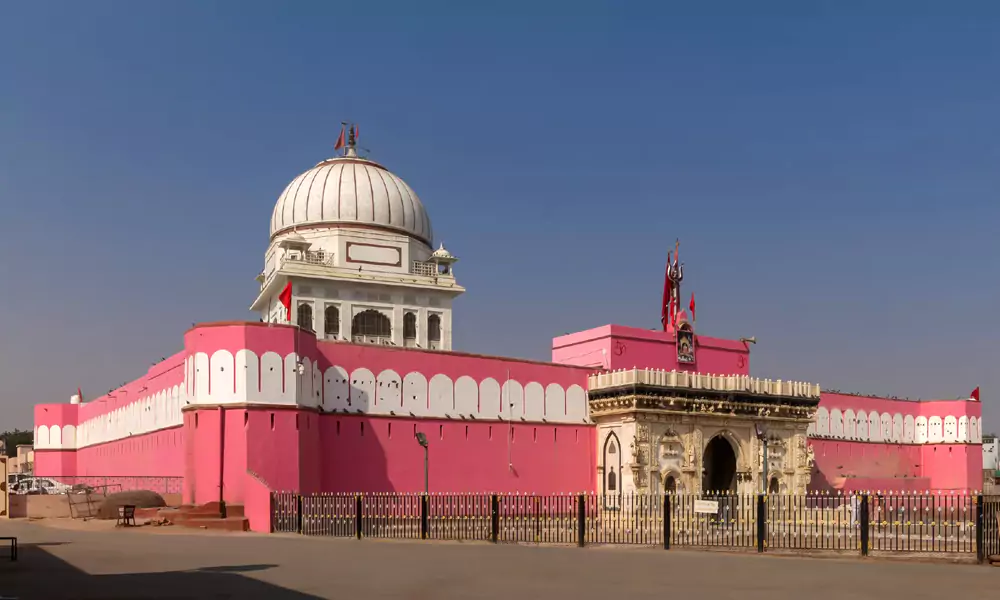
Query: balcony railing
(311, 258)
(427, 269)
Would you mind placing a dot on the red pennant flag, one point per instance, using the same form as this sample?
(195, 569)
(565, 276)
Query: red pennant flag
(340, 140)
(691, 306)
(79, 394)
(285, 297)
(975, 394)
(665, 308)
(355, 133)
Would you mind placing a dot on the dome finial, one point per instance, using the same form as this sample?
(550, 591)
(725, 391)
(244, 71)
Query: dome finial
(351, 143)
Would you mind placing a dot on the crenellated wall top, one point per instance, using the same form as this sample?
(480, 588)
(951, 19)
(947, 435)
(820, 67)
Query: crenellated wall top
(703, 381)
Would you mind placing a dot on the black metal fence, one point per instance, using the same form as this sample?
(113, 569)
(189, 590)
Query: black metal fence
(860, 523)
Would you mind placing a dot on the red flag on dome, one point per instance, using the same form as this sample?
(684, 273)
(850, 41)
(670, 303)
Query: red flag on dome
(285, 297)
(975, 394)
(691, 306)
(340, 139)
(355, 133)
(79, 394)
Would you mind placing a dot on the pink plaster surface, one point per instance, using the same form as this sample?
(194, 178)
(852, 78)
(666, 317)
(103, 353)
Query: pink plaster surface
(257, 503)
(362, 454)
(617, 347)
(156, 454)
(848, 465)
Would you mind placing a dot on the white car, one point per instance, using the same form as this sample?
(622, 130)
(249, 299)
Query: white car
(41, 485)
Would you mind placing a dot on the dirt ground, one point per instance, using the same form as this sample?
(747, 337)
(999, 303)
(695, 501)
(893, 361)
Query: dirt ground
(94, 560)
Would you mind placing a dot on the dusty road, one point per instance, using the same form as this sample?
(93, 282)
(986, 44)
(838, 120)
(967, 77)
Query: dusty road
(66, 563)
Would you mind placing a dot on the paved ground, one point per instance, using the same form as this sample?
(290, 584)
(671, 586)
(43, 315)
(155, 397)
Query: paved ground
(67, 562)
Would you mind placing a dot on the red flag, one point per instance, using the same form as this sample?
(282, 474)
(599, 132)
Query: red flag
(691, 306)
(340, 140)
(285, 297)
(975, 394)
(665, 308)
(79, 394)
(355, 133)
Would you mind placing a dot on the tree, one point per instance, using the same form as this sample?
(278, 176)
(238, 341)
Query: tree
(13, 439)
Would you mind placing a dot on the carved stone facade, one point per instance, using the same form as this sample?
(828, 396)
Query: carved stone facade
(702, 441)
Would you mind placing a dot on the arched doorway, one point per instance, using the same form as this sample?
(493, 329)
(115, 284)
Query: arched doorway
(670, 484)
(719, 461)
(772, 486)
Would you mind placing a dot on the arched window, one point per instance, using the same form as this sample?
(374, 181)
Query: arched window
(434, 328)
(410, 326)
(371, 326)
(612, 481)
(612, 463)
(331, 321)
(306, 317)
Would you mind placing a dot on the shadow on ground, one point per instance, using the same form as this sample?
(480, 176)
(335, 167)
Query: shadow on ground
(38, 575)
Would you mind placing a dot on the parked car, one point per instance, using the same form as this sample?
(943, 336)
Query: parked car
(39, 485)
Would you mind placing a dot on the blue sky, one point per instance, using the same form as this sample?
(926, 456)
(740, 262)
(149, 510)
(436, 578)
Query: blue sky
(833, 177)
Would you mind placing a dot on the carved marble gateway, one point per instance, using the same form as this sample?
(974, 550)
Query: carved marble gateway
(696, 440)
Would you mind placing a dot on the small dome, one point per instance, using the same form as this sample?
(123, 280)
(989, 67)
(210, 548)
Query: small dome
(348, 190)
(442, 253)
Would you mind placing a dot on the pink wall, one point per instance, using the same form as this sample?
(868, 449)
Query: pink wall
(616, 347)
(257, 503)
(464, 456)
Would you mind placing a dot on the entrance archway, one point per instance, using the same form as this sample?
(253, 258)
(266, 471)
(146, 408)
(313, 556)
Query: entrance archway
(772, 486)
(719, 461)
(670, 484)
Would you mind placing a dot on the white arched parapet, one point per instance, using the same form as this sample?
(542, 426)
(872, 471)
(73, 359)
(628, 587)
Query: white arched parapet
(42, 437)
(55, 437)
(850, 424)
(555, 402)
(317, 384)
(950, 430)
(909, 429)
(512, 398)
(293, 380)
(874, 427)
(272, 370)
(490, 402)
(222, 378)
(363, 391)
(415, 394)
(811, 429)
(935, 430)
(897, 428)
(886, 427)
(975, 431)
(836, 423)
(336, 388)
(178, 402)
(963, 428)
(69, 437)
(534, 395)
(576, 404)
(920, 430)
(822, 422)
(466, 398)
(247, 376)
(201, 378)
(389, 392)
(862, 431)
(441, 395)
(306, 395)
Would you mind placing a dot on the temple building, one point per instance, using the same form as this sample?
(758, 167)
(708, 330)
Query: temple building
(350, 357)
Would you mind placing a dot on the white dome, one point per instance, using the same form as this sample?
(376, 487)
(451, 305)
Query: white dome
(351, 191)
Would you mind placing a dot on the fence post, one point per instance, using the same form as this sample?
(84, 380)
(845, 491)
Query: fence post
(666, 521)
(424, 509)
(980, 523)
(761, 522)
(357, 515)
(298, 513)
(865, 525)
(494, 518)
(581, 520)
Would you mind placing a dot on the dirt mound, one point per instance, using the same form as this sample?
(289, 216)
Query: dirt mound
(137, 498)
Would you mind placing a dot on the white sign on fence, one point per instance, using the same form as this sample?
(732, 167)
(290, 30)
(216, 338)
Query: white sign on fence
(706, 507)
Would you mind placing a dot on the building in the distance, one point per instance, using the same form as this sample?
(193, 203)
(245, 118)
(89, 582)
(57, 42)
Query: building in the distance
(353, 357)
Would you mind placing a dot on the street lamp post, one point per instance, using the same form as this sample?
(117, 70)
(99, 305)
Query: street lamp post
(422, 440)
(762, 436)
